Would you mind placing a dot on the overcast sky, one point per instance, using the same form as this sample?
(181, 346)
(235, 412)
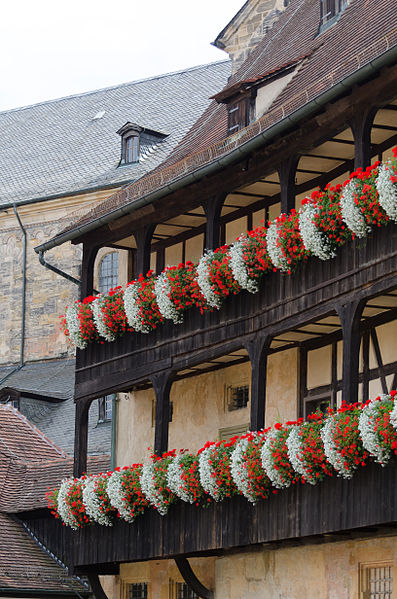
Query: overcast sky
(51, 49)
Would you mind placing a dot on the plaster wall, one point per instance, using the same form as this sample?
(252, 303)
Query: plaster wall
(325, 571)
(200, 409)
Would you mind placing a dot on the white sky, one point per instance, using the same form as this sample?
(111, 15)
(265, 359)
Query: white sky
(51, 49)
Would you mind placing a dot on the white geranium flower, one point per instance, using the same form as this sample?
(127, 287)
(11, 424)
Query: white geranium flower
(162, 289)
(92, 503)
(203, 280)
(351, 213)
(74, 328)
(274, 248)
(387, 190)
(314, 240)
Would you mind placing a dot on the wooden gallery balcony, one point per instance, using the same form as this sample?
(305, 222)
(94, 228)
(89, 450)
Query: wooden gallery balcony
(285, 303)
(333, 508)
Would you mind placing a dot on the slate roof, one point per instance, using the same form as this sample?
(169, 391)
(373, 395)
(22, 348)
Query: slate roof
(364, 31)
(52, 378)
(59, 147)
(42, 383)
(25, 566)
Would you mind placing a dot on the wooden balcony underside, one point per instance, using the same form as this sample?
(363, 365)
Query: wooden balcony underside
(334, 506)
(362, 269)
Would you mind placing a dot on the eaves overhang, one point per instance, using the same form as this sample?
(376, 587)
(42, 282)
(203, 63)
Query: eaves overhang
(238, 152)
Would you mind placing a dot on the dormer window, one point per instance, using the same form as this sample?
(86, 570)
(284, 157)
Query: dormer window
(137, 143)
(330, 11)
(130, 143)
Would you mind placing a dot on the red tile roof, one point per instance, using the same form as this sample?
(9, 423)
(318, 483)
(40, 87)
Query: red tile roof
(30, 463)
(24, 565)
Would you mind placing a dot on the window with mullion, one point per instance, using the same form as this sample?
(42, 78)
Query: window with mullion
(109, 272)
(137, 591)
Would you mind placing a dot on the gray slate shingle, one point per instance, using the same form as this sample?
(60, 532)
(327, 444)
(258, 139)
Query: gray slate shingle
(57, 147)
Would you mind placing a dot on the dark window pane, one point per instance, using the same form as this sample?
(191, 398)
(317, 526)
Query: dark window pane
(238, 397)
(183, 591)
(138, 591)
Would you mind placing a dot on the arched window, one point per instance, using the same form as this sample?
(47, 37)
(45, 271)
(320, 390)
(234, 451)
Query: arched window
(108, 272)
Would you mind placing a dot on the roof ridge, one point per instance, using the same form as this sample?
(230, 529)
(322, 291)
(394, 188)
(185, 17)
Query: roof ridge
(34, 428)
(117, 86)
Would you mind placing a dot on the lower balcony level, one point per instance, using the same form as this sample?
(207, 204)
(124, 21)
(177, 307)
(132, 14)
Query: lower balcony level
(364, 505)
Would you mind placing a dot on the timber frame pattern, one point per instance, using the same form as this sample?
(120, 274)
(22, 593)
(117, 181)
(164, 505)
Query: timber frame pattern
(336, 291)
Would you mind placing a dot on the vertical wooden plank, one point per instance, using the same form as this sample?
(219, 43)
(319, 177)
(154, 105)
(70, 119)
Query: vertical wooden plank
(350, 315)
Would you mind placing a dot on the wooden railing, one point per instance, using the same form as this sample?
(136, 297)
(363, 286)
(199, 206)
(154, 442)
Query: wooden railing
(362, 269)
(333, 507)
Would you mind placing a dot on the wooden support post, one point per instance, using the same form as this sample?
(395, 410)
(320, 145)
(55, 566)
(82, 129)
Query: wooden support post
(87, 270)
(361, 126)
(287, 174)
(81, 436)
(257, 349)
(213, 209)
(96, 586)
(162, 386)
(143, 238)
(191, 579)
(350, 315)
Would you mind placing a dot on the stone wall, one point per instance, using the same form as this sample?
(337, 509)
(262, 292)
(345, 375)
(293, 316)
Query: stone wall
(47, 293)
(248, 28)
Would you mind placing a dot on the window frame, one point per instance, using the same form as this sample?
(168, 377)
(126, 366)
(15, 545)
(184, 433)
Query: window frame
(104, 414)
(114, 275)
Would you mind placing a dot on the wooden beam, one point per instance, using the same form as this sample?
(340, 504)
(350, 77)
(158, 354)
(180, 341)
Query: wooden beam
(81, 437)
(287, 173)
(87, 270)
(361, 125)
(143, 237)
(258, 349)
(191, 579)
(162, 386)
(350, 314)
(212, 208)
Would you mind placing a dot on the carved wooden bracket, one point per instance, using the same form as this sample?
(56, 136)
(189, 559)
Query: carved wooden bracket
(191, 579)
(96, 586)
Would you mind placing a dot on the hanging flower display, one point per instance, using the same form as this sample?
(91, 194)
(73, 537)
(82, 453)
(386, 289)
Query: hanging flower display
(306, 450)
(176, 290)
(342, 442)
(249, 259)
(215, 474)
(183, 479)
(284, 242)
(253, 465)
(247, 470)
(386, 185)
(359, 202)
(96, 501)
(109, 315)
(71, 508)
(378, 435)
(275, 459)
(78, 323)
(125, 493)
(154, 482)
(140, 304)
(320, 223)
(215, 277)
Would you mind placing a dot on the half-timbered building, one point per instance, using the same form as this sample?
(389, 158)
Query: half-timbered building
(314, 100)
